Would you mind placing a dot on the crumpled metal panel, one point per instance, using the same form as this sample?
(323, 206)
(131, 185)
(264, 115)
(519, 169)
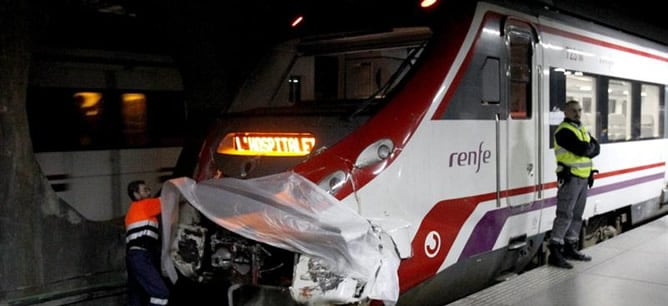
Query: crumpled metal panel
(287, 211)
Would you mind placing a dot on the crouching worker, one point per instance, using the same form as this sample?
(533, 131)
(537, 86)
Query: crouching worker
(574, 148)
(146, 285)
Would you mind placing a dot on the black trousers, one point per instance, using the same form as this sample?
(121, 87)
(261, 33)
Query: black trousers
(145, 283)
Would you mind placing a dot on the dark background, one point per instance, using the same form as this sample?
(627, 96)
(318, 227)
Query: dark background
(145, 25)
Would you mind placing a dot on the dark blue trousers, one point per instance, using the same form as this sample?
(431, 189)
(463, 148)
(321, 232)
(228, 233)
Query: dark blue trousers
(145, 283)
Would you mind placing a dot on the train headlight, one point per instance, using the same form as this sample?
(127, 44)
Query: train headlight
(374, 153)
(333, 182)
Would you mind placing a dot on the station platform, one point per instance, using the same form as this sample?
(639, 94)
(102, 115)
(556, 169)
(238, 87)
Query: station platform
(630, 269)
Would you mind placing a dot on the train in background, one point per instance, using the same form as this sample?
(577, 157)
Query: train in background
(100, 119)
(440, 135)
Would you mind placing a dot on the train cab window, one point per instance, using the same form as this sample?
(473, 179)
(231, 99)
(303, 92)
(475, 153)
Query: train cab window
(521, 48)
(333, 72)
(619, 110)
(359, 78)
(295, 88)
(650, 108)
(582, 88)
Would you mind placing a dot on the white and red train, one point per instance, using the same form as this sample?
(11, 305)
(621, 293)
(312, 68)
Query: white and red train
(441, 136)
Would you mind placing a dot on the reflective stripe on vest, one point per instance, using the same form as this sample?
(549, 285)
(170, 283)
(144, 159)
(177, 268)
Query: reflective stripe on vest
(581, 166)
(141, 222)
(148, 232)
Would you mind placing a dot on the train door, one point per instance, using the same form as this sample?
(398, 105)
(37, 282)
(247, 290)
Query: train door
(520, 137)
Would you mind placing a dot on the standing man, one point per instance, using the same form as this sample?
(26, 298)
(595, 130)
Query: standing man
(142, 237)
(574, 148)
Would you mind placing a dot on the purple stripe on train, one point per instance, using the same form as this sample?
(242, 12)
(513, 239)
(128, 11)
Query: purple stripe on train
(488, 228)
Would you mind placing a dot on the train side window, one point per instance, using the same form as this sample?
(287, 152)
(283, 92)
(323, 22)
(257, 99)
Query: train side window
(557, 97)
(619, 110)
(53, 116)
(133, 110)
(521, 49)
(63, 119)
(582, 88)
(95, 128)
(612, 109)
(650, 110)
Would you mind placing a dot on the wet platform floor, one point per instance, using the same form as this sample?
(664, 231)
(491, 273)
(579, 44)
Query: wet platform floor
(630, 269)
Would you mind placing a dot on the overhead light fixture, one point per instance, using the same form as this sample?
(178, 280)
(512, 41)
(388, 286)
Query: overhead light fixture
(427, 3)
(297, 20)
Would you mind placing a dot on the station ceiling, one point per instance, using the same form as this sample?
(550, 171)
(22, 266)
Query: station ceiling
(135, 25)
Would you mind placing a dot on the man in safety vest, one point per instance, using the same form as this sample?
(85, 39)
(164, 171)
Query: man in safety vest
(574, 149)
(142, 237)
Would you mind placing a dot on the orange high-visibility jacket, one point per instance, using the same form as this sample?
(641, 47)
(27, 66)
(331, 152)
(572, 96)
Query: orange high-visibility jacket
(141, 224)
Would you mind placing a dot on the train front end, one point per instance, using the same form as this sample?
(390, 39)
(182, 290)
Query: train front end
(260, 213)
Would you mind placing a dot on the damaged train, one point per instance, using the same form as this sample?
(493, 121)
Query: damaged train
(414, 165)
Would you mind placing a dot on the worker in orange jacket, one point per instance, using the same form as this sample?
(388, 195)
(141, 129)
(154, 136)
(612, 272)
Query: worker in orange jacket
(146, 285)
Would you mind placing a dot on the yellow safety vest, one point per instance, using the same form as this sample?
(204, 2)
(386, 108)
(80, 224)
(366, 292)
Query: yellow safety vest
(581, 166)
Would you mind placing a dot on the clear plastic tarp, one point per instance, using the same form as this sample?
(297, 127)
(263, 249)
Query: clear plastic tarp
(287, 211)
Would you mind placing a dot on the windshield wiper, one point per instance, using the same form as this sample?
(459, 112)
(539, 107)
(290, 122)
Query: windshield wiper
(382, 90)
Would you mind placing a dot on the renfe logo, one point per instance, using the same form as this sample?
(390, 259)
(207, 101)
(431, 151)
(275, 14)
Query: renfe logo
(463, 159)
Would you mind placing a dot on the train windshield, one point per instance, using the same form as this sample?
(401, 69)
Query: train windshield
(336, 71)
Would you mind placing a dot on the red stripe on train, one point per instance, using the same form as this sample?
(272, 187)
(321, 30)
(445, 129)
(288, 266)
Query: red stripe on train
(439, 228)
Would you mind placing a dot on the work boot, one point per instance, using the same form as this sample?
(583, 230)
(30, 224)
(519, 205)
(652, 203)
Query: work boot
(571, 252)
(556, 257)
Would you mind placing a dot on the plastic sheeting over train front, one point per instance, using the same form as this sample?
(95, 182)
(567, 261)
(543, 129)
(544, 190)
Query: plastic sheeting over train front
(288, 211)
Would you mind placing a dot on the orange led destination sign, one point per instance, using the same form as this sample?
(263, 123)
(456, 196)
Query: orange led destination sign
(267, 144)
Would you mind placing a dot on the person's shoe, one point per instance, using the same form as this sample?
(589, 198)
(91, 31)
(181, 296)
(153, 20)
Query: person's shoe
(571, 252)
(556, 257)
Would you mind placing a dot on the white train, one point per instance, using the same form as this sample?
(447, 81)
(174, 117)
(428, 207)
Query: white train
(100, 119)
(438, 135)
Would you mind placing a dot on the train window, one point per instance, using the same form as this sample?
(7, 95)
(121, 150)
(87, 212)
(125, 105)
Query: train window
(64, 119)
(326, 81)
(295, 88)
(520, 74)
(612, 109)
(332, 71)
(650, 108)
(89, 103)
(133, 107)
(619, 110)
(359, 78)
(582, 88)
(91, 117)
(370, 75)
(574, 85)
(56, 117)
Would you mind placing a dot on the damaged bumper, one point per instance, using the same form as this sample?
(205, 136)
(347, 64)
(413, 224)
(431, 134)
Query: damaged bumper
(278, 230)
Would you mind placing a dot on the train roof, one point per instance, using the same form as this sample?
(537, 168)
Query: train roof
(595, 19)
